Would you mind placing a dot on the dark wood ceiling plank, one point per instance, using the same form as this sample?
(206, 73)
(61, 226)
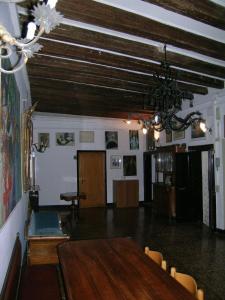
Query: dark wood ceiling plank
(95, 13)
(124, 62)
(89, 79)
(204, 11)
(108, 42)
(74, 66)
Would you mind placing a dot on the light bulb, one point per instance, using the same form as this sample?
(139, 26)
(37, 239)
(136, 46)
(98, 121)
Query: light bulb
(31, 28)
(128, 122)
(156, 135)
(144, 130)
(52, 3)
(202, 126)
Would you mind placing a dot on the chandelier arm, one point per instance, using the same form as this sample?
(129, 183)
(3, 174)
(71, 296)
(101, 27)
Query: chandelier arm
(19, 67)
(32, 42)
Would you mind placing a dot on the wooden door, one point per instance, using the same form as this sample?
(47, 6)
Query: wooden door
(92, 177)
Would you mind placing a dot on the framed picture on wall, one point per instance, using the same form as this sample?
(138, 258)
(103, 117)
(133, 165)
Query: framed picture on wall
(133, 139)
(65, 139)
(111, 139)
(43, 139)
(115, 162)
(169, 137)
(178, 135)
(196, 131)
(129, 165)
(87, 136)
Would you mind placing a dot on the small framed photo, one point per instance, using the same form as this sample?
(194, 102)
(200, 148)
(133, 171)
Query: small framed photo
(87, 136)
(65, 139)
(169, 137)
(115, 162)
(178, 135)
(111, 139)
(133, 139)
(196, 131)
(129, 165)
(43, 139)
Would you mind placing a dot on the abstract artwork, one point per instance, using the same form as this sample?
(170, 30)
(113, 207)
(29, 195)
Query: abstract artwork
(10, 146)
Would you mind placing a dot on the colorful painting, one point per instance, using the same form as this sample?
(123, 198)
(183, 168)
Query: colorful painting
(10, 146)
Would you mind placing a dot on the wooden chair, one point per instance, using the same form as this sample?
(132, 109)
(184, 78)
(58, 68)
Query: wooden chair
(188, 282)
(157, 257)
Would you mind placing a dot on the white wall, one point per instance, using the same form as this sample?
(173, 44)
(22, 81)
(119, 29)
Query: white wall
(56, 168)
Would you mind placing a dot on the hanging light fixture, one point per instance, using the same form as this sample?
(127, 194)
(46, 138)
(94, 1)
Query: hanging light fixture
(166, 98)
(45, 18)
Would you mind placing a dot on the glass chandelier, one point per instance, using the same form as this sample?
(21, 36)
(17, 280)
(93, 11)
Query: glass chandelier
(166, 99)
(45, 18)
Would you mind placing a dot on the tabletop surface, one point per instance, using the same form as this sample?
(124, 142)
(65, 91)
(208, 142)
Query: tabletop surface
(115, 269)
(72, 196)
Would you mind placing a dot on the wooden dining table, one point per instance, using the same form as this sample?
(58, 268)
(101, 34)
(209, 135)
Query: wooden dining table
(115, 269)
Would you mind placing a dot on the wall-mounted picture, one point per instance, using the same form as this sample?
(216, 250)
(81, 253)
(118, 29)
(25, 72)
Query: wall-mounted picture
(111, 139)
(178, 135)
(115, 162)
(43, 139)
(196, 132)
(169, 137)
(133, 139)
(65, 139)
(87, 137)
(129, 165)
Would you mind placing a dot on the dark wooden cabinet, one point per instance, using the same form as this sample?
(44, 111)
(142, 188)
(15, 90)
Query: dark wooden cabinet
(126, 193)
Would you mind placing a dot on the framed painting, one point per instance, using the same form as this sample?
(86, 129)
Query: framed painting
(111, 139)
(65, 139)
(115, 162)
(129, 165)
(87, 137)
(169, 137)
(133, 139)
(178, 135)
(10, 149)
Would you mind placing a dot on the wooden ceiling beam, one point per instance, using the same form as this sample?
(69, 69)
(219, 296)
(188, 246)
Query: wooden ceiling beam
(95, 13)
(67, 67)
(108, 42)
(124, 62)
(204, 11)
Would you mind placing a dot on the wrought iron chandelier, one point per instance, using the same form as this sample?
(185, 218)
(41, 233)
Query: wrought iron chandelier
(166, 98)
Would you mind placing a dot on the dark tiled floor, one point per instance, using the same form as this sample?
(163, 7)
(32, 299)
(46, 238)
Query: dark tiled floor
(192, 248)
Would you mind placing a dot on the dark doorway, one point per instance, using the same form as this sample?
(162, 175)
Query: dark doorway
(188, 186)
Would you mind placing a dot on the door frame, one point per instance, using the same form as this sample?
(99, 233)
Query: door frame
(93, 151)
(211, 181)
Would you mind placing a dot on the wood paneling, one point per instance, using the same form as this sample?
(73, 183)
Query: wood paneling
(123, 62)
(204, 11)
(91, 38)
(95, 13)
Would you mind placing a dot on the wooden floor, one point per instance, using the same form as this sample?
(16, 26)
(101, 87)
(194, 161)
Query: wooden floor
(192, 248)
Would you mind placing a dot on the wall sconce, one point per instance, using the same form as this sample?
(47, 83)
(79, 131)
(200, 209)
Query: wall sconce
(46, 18)
(156, 135)
(40, 147)
(204, 128)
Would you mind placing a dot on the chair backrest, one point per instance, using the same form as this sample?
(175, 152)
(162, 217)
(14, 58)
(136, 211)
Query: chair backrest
(10, 287)
(156, 256)
(188, 282)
